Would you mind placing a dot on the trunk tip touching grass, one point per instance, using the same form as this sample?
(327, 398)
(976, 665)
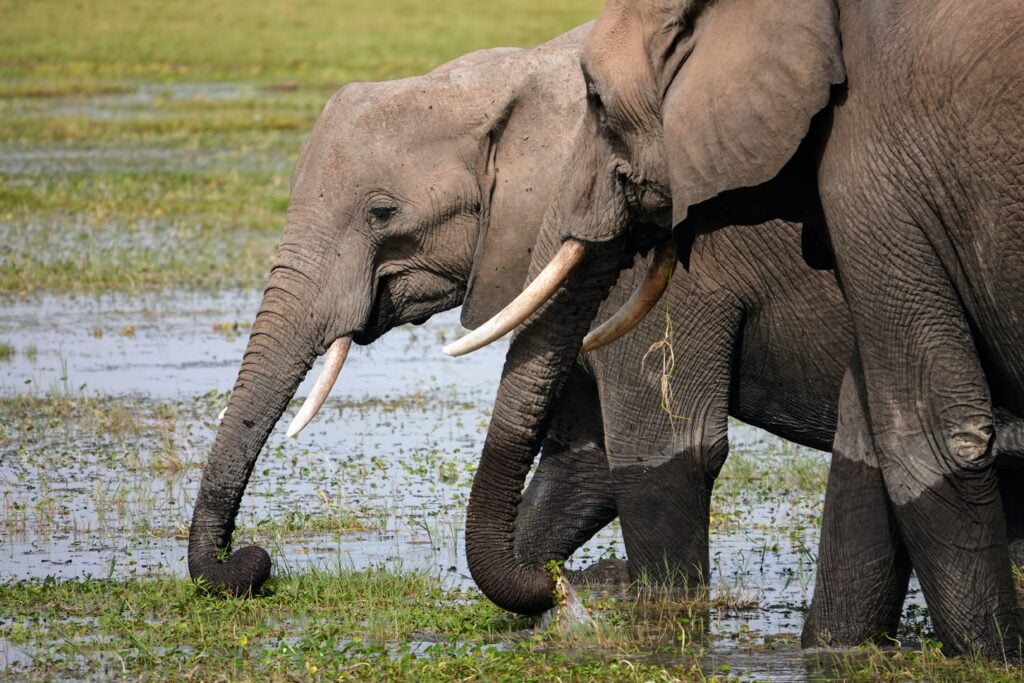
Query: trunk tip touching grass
(242, 576)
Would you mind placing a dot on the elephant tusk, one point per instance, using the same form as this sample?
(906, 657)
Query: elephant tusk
(220, 416)
(640, 303)
(333, 363)
(543, 287)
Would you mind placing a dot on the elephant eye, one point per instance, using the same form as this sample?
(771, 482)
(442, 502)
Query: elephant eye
(380, 214)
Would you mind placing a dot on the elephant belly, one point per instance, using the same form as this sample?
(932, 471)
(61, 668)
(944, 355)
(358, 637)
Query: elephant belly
(790, 368)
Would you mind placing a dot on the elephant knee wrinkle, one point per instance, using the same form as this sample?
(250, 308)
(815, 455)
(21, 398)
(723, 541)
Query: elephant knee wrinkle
(971, 443)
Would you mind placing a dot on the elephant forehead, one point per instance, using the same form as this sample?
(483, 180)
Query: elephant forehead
(373, 140)
(389, 115)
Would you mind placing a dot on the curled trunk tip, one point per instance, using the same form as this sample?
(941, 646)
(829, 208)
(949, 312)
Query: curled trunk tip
(242, 575)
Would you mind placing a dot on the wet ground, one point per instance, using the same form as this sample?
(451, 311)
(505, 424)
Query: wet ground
(108, 409)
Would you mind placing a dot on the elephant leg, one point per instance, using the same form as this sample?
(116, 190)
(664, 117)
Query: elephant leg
(1009, 448)
(666, 451)
(1011, 484)
(863, 566)
(570, 497)
(931, 416)
(666, 529)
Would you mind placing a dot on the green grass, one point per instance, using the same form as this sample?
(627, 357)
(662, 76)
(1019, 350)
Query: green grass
(313, 42)
(125, 169)
(386, 625)
(370, 625)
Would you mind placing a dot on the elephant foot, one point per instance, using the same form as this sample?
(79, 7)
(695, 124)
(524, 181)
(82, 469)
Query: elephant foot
(607, 572)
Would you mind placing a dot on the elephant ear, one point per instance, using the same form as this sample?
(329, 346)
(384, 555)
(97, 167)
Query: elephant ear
(524, 150)
(739, 104)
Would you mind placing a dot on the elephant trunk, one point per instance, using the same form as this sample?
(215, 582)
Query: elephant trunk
(279, 354)
(538, 362)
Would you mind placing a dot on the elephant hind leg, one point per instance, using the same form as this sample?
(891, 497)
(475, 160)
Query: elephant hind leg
(863, 566)
(1009, 450)
(1011, 486)
(930, 413)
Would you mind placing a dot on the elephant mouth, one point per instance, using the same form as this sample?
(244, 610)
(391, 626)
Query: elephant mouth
(398, 302)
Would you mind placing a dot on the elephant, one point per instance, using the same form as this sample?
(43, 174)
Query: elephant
(766, 344)
(410, 197)
(891, 130)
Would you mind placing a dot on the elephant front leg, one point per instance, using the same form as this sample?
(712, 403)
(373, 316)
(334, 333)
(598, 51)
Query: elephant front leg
(570, 496)
(667, 443)
(863, 566)
(666, 518)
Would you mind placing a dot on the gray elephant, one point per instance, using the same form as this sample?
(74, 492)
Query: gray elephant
(898, 146)
(409, 198)
(767, 345)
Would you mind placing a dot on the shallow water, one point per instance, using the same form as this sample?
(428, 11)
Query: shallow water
(185, 346)
(401, 408)
(381, 477)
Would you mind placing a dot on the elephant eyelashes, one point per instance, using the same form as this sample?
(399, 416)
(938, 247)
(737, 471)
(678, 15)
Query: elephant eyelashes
(379, 215)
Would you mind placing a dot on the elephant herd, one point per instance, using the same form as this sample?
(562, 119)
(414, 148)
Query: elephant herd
(841, 183)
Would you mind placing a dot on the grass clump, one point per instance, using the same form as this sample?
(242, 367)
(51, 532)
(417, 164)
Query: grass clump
(929, 663)
(6, 351)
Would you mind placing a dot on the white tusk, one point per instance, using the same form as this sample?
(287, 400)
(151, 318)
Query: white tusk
(526, 304)
(220, 417)
(643, 299)
(333, 361)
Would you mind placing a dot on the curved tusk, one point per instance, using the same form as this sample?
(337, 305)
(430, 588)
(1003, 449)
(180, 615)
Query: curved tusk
(643, 299)
(526, 304)
(333, 361)
(220, 416)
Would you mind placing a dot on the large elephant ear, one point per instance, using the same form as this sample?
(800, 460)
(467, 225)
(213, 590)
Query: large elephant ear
(525, 149)
(741, 102)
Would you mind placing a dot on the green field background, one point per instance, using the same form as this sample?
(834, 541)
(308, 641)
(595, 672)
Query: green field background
(91, 90)
(317, 41)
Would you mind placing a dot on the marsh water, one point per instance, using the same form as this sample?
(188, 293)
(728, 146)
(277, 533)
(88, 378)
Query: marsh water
(111, 406)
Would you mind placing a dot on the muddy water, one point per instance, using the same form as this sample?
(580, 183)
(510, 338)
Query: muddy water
(381, 477)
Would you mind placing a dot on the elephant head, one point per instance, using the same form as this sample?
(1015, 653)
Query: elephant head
(696, 115)
(409, 198)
